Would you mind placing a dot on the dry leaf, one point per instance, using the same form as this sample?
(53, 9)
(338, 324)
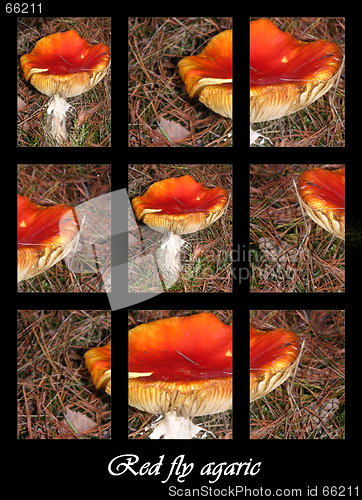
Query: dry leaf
(79, 421)
(168, 64)
(173, 130)
(21, 104)
(83, 115)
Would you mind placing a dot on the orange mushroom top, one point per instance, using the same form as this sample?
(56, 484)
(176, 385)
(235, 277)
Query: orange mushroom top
(273, 355)
(182, 364)
(322, 194)
(45, 235)
(180, 205)
(208, 75)
(98, 363)
(287, 74)
(65, 64)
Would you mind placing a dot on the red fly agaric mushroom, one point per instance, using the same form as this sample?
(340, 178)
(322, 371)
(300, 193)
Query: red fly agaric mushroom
(98, 363)
(64, 65)
(176, 206)
(321, 193)
(209, 76)
(273, 355)
(45, 236)
(287, 74)
(180, 368)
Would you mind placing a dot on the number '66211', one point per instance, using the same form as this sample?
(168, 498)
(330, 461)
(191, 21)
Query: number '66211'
(23, 8)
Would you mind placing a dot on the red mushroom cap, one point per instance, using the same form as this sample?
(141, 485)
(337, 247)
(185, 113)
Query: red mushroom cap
(321, 192)
(209, 74)
(286, 74)
(45, 236)
(180, 205)
(273, 355)
(65, 64)
(98, 363)
(181, 364)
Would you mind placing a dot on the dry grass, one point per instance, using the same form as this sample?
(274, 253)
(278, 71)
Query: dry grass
(156, 90)
(90, 125)
(72, 185)
(52, 376)
(312, 406)
(322, 124)
(303, 257)
(207, 264)
(140, 423)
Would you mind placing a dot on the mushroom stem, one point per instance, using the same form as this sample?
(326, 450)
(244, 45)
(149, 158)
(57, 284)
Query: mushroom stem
(173, 426)
(254, 135)
(57, 117)
(169, 256)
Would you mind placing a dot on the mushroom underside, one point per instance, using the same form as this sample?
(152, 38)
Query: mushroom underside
(281, 100)
(34, 260)
(275, 103)
(328, 219)
(321, 193)
(177, 407)
(261, 383)
(218, 98)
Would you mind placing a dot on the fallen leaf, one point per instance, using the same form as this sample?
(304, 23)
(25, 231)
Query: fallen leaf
(21, 104)
(83, 115)
(79, 421)
(173, 130)
(168, 64)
